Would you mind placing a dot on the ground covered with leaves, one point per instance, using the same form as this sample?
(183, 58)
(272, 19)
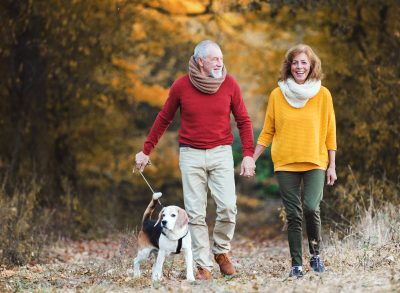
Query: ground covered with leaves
(367, 259)
(106, 266)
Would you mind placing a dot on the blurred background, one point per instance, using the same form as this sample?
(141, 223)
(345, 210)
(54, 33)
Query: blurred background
(81, 82)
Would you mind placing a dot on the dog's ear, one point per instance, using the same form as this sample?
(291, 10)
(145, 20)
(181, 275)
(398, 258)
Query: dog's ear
(182, 219)
(159, 217)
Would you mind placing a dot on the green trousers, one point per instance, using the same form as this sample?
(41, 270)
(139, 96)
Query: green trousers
(290, 189)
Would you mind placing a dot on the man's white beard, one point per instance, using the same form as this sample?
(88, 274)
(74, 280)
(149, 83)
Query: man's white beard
(216, 73)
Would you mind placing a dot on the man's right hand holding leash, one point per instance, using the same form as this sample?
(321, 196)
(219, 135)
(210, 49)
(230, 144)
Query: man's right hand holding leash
(141, 161)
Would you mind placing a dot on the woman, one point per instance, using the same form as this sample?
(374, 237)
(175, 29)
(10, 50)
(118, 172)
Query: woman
(300, 124)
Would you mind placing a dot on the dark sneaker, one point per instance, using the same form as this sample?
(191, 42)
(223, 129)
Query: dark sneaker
(296, 272)
(317, 264)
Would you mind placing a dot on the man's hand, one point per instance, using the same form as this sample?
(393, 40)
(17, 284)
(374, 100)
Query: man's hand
(331, 176)
(248, 167)
(141, 161)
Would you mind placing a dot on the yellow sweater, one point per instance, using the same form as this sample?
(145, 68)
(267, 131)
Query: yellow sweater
(301, 137)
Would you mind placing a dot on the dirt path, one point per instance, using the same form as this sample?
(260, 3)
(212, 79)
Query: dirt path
(105, 266)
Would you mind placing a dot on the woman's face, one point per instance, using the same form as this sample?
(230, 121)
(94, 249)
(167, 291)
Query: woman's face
(300, 68)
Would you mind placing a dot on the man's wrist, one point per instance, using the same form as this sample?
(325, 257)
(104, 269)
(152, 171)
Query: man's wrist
(248, 154)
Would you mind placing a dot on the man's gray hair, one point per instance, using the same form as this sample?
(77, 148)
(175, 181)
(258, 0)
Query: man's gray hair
(201, 49)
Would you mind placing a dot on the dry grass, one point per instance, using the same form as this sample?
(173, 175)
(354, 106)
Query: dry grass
(367, 260)
(22, 229)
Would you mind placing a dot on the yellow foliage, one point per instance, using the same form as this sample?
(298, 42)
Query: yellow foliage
(168, 26)
(234, 19)
(154, 95)
(182, 6)
(138, 32)
(129, 66)
(225, 27)
(115, 82)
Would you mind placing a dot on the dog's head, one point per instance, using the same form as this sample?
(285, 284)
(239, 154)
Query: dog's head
(173, 218)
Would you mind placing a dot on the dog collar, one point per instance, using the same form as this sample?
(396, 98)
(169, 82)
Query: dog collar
(179, 247)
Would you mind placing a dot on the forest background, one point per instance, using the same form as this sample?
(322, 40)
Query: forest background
(82, 81)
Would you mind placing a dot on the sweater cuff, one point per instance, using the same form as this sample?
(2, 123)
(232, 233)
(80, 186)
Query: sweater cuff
(248, 153)
(263, 143)
(331, 146)
(147, 148)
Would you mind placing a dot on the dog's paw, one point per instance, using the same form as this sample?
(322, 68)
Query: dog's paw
(156, 284)
(156, 277)
(136, 274)
(190, 276)
(191, 279)
(133, 272)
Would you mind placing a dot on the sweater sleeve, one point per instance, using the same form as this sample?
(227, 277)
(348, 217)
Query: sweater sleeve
(268, 131)
(243, 121)
(331, 132)
(163, 120)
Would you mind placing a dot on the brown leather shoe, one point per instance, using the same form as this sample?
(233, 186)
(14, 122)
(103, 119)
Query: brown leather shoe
(203, 274)
(225, 264)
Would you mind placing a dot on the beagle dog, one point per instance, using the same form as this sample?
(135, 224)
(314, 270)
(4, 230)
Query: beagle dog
(169, 234)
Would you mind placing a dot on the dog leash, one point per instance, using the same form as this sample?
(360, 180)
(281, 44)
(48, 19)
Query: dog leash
(156, 195)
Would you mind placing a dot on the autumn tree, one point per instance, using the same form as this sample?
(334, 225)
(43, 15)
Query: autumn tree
(82, 82)
(56, 107)
(358, 43)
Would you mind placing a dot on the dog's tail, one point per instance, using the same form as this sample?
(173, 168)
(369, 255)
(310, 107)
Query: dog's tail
(151, 207)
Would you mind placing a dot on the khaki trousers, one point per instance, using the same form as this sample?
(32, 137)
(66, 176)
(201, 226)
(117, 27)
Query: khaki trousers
(213, 169)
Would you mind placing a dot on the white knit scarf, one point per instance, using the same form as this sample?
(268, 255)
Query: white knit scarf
(297, 95)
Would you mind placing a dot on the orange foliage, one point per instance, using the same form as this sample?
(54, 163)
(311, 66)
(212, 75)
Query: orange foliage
(180, 6)
(154, 95)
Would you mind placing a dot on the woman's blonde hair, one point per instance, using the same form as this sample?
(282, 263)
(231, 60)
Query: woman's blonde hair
(315, 62)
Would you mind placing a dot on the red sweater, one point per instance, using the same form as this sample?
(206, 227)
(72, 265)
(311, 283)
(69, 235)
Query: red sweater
(205, 118)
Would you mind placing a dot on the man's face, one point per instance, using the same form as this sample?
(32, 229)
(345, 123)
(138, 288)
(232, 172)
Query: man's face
(212, 64)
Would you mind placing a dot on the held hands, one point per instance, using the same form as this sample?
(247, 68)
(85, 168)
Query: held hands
(141, 161)
(331, 176)
(248, 167)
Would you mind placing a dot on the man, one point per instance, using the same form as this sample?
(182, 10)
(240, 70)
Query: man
(206, 96)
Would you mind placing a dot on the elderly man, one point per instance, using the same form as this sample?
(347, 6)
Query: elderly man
(206, 97)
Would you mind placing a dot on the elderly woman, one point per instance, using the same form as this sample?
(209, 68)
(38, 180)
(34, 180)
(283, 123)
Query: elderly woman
(300, 124)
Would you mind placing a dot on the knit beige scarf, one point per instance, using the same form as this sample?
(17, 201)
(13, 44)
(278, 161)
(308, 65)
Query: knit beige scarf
(205, 84)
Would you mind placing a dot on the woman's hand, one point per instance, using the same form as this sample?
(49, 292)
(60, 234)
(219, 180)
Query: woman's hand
(248, 167)
(331, 172)
(331, 176)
